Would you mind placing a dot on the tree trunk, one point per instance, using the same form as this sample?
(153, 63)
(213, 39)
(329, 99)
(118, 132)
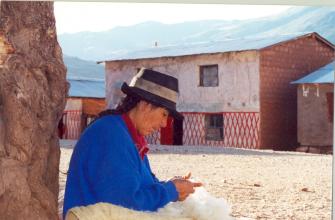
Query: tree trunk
(32, 98)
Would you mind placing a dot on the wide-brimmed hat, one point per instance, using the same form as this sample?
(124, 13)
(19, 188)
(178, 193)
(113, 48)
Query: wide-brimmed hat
(156, 88)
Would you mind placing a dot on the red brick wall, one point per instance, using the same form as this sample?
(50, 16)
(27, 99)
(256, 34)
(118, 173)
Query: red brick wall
(280, 65)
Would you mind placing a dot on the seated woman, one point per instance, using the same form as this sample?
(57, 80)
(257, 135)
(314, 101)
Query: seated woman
(109, 162)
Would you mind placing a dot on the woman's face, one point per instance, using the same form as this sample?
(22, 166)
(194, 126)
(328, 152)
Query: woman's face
(151, 118)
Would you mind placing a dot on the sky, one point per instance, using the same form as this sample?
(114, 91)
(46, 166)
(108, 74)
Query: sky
(72, 17)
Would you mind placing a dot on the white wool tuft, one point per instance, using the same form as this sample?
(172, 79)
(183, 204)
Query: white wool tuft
(199, 206)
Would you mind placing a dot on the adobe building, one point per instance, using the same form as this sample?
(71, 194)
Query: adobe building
(233, 93)
(316, 110)
(85, 100)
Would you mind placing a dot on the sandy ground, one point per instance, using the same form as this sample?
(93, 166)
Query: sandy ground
(257, 184)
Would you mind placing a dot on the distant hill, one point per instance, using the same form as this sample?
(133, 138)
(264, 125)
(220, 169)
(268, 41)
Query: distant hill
(101, 45)
(105, 45)
(78, 68)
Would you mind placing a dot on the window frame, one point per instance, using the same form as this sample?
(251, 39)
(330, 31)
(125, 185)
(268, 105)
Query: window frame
(208, 126)
(201, 75)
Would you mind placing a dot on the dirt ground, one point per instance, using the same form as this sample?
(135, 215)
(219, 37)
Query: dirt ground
(257, 184)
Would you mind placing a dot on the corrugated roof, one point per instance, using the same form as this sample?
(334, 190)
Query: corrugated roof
(85, 87)
(323, 75)
(243, 44)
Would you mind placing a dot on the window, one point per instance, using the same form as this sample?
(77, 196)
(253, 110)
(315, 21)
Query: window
(209, 76)
(214, 127)
(330, 102)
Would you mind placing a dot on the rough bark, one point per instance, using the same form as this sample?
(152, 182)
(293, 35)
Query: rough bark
(32, 98)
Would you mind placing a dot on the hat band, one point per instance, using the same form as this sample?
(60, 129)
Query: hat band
(156, 89)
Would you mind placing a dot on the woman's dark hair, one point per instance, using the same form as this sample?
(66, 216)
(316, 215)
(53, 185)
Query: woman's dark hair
(125, 105)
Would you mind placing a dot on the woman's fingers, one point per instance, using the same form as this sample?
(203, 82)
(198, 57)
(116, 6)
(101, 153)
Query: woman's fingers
(185, 187)
(196, 184)
(187, 176)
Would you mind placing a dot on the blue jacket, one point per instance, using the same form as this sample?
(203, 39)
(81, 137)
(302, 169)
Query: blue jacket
(105, 167)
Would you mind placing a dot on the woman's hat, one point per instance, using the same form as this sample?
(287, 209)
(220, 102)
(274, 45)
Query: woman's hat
(156, 88)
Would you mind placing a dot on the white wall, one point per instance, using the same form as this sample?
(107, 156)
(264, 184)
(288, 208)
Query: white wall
(238, 88)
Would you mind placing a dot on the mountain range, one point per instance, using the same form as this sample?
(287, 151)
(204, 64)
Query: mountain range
(105, 45)
(83, 69)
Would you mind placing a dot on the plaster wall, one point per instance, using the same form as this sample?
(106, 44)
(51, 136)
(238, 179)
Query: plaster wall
(238, 88)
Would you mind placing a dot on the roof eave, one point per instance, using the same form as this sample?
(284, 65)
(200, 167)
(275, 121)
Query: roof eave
(166, 57)
(313, 34)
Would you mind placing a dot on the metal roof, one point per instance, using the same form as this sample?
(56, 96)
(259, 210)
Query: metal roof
(86, 87)
(242, 44)
(323, 75)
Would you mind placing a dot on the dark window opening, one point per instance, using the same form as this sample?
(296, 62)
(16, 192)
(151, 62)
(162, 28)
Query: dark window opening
(330, 102)
(209, 76)
(214, 127)
(178, 132)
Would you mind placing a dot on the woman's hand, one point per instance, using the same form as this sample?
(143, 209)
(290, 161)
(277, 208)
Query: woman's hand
(188, 176)
(184, 186)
